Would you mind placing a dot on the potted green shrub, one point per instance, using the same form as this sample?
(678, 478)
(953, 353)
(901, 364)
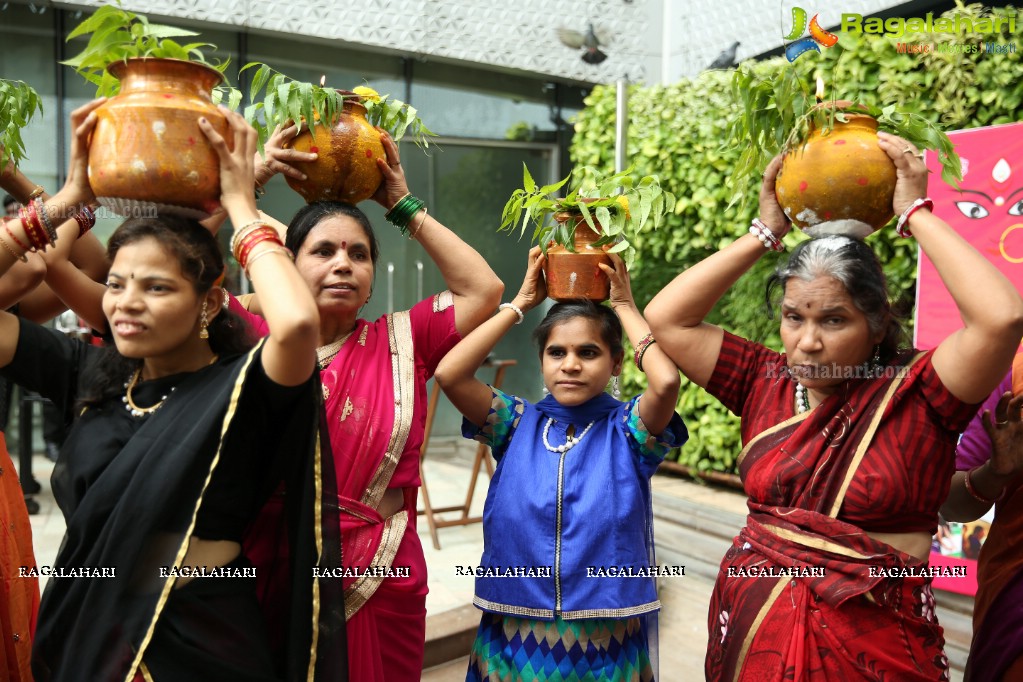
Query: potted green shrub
(834, 178)
(602, 214)
(147, 151)
(18, 104)
(343, 131)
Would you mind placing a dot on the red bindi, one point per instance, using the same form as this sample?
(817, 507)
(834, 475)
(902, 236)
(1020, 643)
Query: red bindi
(344, 245)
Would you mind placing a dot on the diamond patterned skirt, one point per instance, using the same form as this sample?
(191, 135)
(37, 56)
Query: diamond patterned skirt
(510, 649)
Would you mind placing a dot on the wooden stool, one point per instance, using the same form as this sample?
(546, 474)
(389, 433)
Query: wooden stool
(482, 457)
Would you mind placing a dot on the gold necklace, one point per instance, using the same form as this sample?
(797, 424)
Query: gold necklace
(326, 354)
(129, 404)
(139, 412)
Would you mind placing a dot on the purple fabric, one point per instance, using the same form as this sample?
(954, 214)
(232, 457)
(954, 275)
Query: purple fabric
(975, 447)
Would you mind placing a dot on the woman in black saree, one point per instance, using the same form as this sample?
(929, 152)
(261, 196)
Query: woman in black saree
(183, 431)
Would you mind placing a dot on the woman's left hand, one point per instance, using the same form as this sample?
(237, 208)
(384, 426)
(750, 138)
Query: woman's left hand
(237, 170)
(279, 159)
(910, 171)
(621, 285)
(394, 186)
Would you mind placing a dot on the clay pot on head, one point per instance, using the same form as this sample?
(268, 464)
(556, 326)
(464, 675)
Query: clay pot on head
(577, 275)
(147, 152)
(839, 183)
(346, 169)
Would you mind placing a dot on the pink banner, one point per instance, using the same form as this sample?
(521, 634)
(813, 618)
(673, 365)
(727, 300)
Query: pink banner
(987, 210)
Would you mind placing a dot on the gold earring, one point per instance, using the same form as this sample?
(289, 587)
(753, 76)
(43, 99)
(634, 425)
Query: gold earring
(204, 322)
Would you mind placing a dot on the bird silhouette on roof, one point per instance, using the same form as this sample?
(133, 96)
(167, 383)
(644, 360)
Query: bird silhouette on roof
(589, 42)
(726, 59)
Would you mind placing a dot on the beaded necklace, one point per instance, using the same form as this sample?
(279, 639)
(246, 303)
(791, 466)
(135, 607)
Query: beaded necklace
(570, 443)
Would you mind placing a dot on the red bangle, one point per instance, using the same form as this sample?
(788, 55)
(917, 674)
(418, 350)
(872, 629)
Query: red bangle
(34, 231)
(902, 227)
(15, 238)
(257, 237)
(641, 348)
(250, 242)
(86, 220)
(976, 495)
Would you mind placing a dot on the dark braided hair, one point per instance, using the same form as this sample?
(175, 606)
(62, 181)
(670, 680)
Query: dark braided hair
(198, 254)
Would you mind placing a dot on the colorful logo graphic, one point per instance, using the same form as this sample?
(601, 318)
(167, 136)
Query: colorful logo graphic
(818, 36)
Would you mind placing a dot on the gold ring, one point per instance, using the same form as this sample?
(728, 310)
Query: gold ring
(909, 150)
(1002, 423)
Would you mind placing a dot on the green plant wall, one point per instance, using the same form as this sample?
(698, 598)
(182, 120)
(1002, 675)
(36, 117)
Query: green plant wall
(677, 132)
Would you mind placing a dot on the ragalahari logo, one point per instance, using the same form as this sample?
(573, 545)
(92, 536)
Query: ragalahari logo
(818, 36)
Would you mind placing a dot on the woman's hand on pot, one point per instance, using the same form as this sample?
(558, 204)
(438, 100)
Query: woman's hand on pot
(83, 122)
(277, 158)
(771, 213)
(621, 284)
(533, 291)
(910, 171)
(394, 186)
(237, 169)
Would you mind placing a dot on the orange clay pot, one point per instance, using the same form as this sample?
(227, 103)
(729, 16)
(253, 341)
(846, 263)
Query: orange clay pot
(839, 183)
(576, 275)
(147, 152)
(346, 169)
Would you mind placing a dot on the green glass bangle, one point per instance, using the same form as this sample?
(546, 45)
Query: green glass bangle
(401, 213)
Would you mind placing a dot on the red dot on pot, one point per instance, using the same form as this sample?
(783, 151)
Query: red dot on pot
(314, 150)
(839, 141)
(369, 154)
(168, 96)
(191, 140)
(827, 215)
(803, 186)
(862, 181)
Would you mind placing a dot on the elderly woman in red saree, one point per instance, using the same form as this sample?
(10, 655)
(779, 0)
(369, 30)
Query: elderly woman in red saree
(374, 378)
(989, 460)
(848, 443)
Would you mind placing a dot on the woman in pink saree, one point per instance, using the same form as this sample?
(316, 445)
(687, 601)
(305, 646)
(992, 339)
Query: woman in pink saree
(374, 378)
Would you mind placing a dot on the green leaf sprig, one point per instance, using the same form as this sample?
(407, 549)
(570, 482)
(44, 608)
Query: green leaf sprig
(118, 35)
(285, 99)
(18, 104)
(622, 203)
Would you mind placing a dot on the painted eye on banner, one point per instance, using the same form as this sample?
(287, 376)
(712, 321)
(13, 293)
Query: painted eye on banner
(1017, 208)
(973, 210)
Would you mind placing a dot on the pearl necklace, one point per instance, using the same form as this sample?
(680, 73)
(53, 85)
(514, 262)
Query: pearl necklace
(129, 404)
(802, 400)
(569, 444)
(326, 354)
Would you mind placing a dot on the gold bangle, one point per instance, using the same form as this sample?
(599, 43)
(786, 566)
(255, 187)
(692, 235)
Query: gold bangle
(37, 192)
(415, 230)
(277, 249)
(10, 249)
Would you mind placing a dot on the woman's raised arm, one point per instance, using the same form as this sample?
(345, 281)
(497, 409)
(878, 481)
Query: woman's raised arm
(456, 373)
(971, 361)
(476, 288)
(289, 355)
(677, 312)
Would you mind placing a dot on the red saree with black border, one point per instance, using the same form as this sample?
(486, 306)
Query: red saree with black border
(804, 592)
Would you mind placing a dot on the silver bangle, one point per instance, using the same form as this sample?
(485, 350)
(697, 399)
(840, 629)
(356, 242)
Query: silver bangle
(512, 306)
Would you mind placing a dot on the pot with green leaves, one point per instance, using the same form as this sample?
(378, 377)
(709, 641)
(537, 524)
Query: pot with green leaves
(839, 181)
(834, 178)
(147, 153)
(604, 214)
(346, 169)
(343, 134)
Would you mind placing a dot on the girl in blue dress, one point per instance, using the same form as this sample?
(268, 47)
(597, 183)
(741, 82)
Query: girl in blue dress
(567, 578)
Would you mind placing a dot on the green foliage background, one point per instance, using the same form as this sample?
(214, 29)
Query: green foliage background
(677, 132)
